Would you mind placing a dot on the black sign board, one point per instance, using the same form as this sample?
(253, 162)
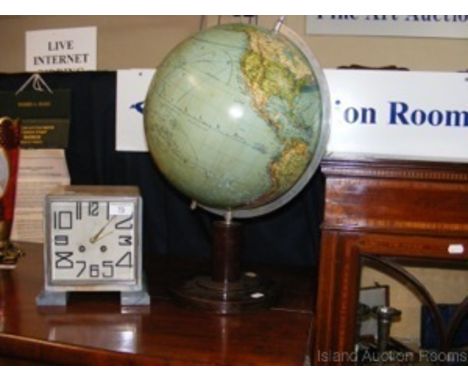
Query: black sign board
(45, 116)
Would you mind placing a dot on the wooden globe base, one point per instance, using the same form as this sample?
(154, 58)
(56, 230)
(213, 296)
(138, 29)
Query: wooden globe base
(244, 295)
(226, 291)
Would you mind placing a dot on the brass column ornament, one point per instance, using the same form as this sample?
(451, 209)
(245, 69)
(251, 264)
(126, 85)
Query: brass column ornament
(9, 153)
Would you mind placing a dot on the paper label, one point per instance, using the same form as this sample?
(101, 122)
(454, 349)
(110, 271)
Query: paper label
(120, 209)
(40, 171)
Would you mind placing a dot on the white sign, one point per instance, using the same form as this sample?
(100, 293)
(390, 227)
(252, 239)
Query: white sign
(408, 115)
(61, 49)
(454, 26)
(132, 85)
(394, 114)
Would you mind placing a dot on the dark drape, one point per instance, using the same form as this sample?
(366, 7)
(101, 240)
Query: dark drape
(287, 236)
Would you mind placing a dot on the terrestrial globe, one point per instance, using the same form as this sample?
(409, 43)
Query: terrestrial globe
(236, 118)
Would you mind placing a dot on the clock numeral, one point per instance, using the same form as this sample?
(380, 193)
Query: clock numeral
(79, 210)
(83, 267)
(63, 260)
(94, 270)
(63, 220)
(110, 269)
(125, 240)
(61, 240)
(125, 261)
(93, 209)
(126, 223)
(107, 268)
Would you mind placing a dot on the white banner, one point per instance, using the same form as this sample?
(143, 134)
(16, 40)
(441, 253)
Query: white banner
(452, 26)
(394, 114)
(132, 85)
(407, 115)
(61, 49)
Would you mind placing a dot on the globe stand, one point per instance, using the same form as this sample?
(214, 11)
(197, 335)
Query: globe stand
(227, 290)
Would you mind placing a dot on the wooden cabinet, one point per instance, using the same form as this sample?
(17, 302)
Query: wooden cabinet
(382, 212)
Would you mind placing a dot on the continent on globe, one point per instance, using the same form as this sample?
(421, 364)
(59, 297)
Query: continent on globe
(233, 116)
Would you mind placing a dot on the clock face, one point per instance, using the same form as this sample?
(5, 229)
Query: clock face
(92, 242)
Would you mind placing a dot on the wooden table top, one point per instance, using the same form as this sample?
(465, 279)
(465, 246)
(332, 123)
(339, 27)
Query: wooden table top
(95, 330)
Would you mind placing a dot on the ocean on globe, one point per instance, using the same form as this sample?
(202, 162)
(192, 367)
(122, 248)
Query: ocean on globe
(234, 118)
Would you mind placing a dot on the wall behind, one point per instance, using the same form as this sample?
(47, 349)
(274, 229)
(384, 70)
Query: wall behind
(143, 41)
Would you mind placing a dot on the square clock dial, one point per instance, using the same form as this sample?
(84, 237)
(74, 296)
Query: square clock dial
(93, 243)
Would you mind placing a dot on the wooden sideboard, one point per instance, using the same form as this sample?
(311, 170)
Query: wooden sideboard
(95, 330)
(380, 213)
(376, 212)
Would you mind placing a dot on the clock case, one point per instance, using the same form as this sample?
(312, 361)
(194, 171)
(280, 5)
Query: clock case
(132, 292)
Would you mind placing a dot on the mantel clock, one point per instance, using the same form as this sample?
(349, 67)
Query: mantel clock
(93, 242)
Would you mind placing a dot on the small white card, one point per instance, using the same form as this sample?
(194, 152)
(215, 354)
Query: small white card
(120, 209)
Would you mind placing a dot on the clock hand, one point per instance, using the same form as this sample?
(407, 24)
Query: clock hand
(95, 237)
(102, 237)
